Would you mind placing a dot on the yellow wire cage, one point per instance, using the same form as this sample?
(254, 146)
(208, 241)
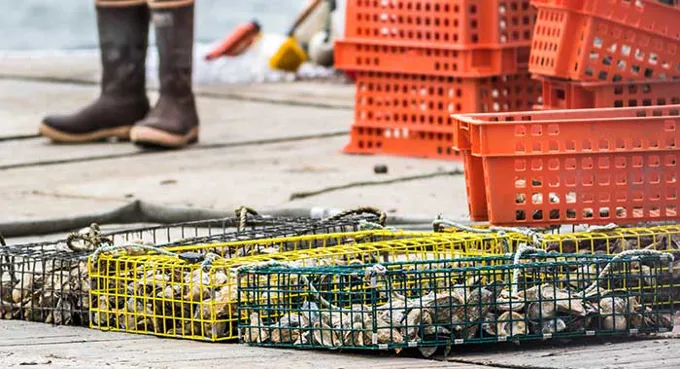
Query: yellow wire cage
(170, 296)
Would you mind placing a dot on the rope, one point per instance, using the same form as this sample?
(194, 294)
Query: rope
(365, 225)
(439, 222)
(382, 217)
(516, 261)
(633, 253)
(536, 237)
(378, 270)
(7, 260)
(108, 248)
(207, 263)
(303, 278)
(92, 239)
(604, 228)
(242, 214)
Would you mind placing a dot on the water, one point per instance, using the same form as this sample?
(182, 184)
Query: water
(44, 28)
(70, 24)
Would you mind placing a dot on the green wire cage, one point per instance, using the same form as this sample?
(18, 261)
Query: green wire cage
(432, 304)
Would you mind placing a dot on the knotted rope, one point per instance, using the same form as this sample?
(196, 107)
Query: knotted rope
(382, 216)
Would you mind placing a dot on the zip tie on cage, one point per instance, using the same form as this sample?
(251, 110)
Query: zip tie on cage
(382, 216)
(631, 253)
(242, 213)
(516, 261)
(92, 239)
(274, 263)
(131, 246)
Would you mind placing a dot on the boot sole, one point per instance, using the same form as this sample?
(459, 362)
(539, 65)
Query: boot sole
(121, 133)
(148, 137)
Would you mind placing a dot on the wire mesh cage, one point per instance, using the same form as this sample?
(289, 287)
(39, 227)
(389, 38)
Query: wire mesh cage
(49, 281)
(168, 295)
(443, 303)
(613, 241)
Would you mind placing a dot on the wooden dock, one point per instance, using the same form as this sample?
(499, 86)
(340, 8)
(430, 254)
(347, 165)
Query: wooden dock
(260, 145)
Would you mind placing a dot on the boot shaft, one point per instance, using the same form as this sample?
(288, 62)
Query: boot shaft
(123, 28)
(174, 26)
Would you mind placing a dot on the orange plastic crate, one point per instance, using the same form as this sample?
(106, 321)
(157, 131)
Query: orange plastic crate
(560, 94)
(570, 131)
(458, 62)
(606, 40)
(371, 140)
(474, 178)
(405, 114)
(437, 23)
(573, 166)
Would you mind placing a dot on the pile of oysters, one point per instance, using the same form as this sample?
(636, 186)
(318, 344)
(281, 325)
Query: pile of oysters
(50, 290)
(443, 314)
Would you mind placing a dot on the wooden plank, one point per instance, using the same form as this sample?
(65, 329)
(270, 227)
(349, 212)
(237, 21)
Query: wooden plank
(332, 95)
(98, 349)
(224, 122)
(261, 176)
(23, 205)
(621, 354)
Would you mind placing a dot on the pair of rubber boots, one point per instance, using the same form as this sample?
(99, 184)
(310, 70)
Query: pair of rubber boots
(122, 110)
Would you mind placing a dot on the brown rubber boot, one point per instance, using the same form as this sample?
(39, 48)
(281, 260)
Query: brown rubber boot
(123, 28)
(173, 122)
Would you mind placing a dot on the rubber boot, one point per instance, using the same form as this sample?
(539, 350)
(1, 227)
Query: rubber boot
(173, 122)
(123, 40)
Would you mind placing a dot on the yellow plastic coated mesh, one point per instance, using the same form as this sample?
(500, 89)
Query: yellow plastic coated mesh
(168, 296)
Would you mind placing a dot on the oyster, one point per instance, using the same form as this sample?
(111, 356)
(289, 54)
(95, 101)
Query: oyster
(616, 311)
(511, 324)
(325, 336)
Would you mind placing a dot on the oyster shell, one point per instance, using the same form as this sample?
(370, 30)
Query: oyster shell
(510, 324)
(325, 336)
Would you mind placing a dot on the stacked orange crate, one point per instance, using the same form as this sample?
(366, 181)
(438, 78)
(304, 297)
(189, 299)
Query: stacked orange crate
(417, 62)
(607, 53)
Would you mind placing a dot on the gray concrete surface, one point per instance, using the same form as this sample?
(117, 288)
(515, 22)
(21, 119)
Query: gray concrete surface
(260, 145)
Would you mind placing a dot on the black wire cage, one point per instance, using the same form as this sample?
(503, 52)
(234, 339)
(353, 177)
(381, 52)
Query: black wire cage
(49, 281)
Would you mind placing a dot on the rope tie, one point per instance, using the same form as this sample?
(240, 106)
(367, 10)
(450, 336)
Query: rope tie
(242, 213)
(207, 263)
(517, 261)
(130, 246)
(603, 228)
(365, 225)
(439, 222)
(634, 254)
(382, 216)
(303, 278)
(91, 238)
(373, 271)
(535, 236)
